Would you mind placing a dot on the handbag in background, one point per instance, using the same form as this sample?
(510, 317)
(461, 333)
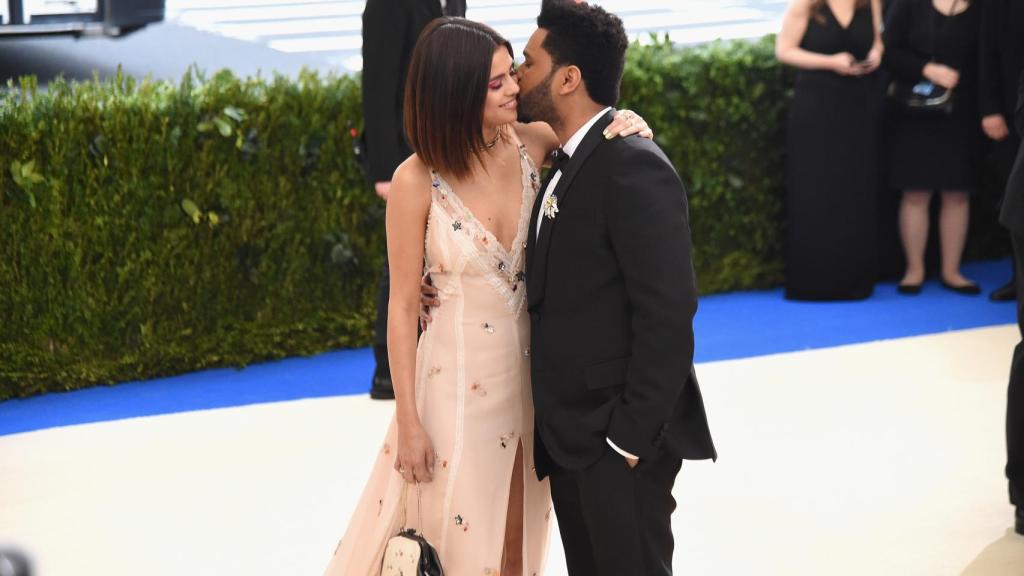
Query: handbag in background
(924, 96)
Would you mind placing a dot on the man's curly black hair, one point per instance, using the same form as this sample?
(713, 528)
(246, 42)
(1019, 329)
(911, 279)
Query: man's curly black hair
(589, 38)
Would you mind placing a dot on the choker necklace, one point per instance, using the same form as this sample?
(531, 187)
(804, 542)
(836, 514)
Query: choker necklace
(491, 144)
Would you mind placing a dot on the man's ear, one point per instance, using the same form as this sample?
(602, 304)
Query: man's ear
(569, 80)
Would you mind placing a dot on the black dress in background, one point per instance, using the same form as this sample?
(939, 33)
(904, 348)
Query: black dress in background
(832, 168)
(934, 152)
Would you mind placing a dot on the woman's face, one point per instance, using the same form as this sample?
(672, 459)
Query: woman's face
(502, 90)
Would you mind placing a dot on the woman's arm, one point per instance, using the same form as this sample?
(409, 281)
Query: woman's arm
(407, 210)
(874, 58)
(904, 62)
(541, 137)
(876, 21)
(788, 50)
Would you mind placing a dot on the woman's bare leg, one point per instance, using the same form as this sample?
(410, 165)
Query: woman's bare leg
(512, 556)
(953, 233)
(914, 232)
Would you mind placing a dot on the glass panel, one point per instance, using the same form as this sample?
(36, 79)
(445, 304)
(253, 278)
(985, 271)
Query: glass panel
(48, 7)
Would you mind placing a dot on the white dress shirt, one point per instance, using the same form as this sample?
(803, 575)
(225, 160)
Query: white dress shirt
(569, 148)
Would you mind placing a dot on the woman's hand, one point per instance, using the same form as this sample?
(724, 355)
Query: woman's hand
(627, 123)
(941, 75)
(846, 64)
(872, 61)
(415, 461)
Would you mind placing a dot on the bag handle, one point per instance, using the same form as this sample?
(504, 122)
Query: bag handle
(404, 504)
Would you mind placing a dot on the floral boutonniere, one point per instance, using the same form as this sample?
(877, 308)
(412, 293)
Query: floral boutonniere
(551, 206)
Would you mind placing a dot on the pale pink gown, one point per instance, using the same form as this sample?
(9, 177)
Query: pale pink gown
(474, 398)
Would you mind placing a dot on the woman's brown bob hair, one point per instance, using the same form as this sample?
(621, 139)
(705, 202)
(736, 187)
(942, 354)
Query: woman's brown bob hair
(446, 90)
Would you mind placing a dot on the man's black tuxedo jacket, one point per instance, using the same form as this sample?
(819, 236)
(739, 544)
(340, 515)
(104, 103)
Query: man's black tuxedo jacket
(612, 295)
(1000, 56)
(1012, 213)
(390, 31)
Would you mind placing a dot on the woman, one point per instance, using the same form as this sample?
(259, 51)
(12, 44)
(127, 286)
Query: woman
(832, 168)
(935, 41)
(462, 436)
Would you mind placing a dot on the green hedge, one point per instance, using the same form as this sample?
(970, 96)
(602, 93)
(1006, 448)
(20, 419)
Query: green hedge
(718, 110)
(149, 229)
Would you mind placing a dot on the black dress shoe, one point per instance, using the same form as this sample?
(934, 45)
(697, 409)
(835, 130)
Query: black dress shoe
(969, 289)
(909, 289)
(1019, 525)
(1004, 293)
(382, 388)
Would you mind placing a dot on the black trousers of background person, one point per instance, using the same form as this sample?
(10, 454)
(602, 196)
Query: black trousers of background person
(616, 521)
(1015, 391)
(380, 336)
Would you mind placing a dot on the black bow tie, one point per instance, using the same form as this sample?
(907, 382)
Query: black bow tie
(559, 159)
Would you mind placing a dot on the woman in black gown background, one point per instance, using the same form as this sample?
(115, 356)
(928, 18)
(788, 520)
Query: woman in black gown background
(937, 41)
(832, 171)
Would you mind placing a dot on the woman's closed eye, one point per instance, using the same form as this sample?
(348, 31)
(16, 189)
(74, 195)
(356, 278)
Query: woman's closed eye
(498, 82)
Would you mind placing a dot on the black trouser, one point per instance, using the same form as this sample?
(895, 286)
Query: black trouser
(615, 521)
(1015, 392)
(380, 337)
(1004, 155)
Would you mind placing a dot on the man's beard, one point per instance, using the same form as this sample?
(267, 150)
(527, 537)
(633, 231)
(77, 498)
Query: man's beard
(537, 106)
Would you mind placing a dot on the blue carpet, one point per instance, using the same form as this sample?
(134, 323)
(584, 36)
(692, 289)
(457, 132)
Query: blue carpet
(330, 374)
(743, 324)
(727, 326)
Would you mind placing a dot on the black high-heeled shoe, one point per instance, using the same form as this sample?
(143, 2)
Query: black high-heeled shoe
(969, 289)
(909, 289)
(1005, 293)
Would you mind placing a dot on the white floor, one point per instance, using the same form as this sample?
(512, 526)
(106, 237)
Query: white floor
(877, 459)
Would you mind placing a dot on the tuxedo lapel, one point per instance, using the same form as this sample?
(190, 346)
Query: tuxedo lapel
(531, 233)
(537, 256)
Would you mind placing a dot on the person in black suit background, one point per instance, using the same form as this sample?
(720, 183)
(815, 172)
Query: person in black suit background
(611, 296)
(1000, 64)
(1012, 216)
(390, 31)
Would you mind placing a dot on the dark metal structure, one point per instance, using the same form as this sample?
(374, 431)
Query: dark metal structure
(77, 17)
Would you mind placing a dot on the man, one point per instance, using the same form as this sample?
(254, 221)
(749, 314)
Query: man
(1000, 63)
(390, 31)
(1012, 216)
(611, 295)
